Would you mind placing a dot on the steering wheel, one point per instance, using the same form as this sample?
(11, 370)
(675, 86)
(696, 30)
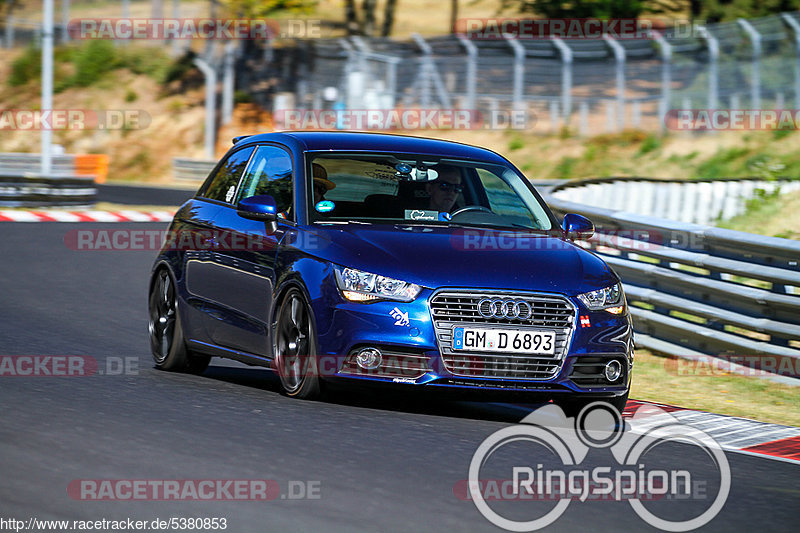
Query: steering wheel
(471, 208)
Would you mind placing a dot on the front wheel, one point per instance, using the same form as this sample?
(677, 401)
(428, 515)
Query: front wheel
(296, 347)
(166, 334)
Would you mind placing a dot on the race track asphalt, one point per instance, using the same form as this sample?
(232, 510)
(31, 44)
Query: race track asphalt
(381, 463)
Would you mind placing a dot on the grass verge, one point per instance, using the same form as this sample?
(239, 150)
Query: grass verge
(655, 379)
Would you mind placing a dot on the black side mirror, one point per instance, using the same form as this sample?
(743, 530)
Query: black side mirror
(261, 208)
(577, 227)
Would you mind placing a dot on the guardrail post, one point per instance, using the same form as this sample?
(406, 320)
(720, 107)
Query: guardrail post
(210, 133)
(713, 65)
(472, 70)
(619, 56)
(792, 22)
(519, 70)
(566, 77)
(666, 77)
(755, 82)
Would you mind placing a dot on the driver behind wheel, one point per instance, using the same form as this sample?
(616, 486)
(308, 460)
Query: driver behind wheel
(444, 190)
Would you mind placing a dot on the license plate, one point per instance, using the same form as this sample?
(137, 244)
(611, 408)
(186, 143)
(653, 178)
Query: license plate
(504, 340)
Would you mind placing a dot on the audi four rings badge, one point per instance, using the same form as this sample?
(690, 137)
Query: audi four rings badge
(505, 308)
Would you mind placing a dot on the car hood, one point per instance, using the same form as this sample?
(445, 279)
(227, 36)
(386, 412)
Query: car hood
(457, 256)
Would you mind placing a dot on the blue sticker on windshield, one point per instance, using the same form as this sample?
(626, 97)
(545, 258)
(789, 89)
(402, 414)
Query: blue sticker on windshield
(445, 216)
(324, 206)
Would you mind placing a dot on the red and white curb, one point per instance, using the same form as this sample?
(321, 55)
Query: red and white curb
(11, 215)
(733, 434)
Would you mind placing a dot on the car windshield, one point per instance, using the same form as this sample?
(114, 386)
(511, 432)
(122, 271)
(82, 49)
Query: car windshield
(411, 189)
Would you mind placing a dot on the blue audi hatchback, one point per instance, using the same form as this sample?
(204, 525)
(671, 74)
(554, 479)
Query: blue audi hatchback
(418, 263)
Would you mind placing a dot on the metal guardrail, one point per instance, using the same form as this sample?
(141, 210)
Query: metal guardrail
(71, 182)
(46, 191)
(697, 290)
(697, 201)
(195, 170)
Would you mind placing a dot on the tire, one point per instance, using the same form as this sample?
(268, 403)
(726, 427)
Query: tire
(295, 344)
(166, 332)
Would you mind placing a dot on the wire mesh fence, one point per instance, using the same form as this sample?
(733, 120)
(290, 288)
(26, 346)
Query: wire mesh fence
(589, 85)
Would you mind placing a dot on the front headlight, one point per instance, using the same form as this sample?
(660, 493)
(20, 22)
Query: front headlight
(611, 299)
(360, 286)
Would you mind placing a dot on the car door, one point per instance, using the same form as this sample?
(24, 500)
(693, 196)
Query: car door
(193, 237)
(245, 251)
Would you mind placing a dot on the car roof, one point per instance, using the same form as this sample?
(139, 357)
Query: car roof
(378, 142)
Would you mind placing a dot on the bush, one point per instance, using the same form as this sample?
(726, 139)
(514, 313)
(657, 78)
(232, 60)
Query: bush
(93, 61)
(148, 61)
(650, 143)
(27, 67)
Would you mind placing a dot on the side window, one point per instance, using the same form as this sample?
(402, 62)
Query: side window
(270, 172)
(222, 185)
(505, 201)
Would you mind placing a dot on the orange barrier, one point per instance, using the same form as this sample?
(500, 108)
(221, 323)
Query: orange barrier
(92, 165)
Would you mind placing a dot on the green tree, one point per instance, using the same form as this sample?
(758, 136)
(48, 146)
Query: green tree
(364, 21)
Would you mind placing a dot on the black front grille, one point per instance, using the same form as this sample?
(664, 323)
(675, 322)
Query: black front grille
(541, 312)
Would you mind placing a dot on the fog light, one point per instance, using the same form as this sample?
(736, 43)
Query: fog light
(613, 370)
(369, 358)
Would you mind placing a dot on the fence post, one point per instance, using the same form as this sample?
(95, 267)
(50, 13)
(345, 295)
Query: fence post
(472, 69)
(65, 21)
(9, 34)
(583, 112)
(566, 77)
(713, 65)
(431, 73)
(554, 116)
(610, 122)
(176, 14)
(755, 82)
(211, 105)
(666, 77)
(619, 56)
(519, 70)
(348, 69)
(228, 82)
(792, 22)
(47, 83)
